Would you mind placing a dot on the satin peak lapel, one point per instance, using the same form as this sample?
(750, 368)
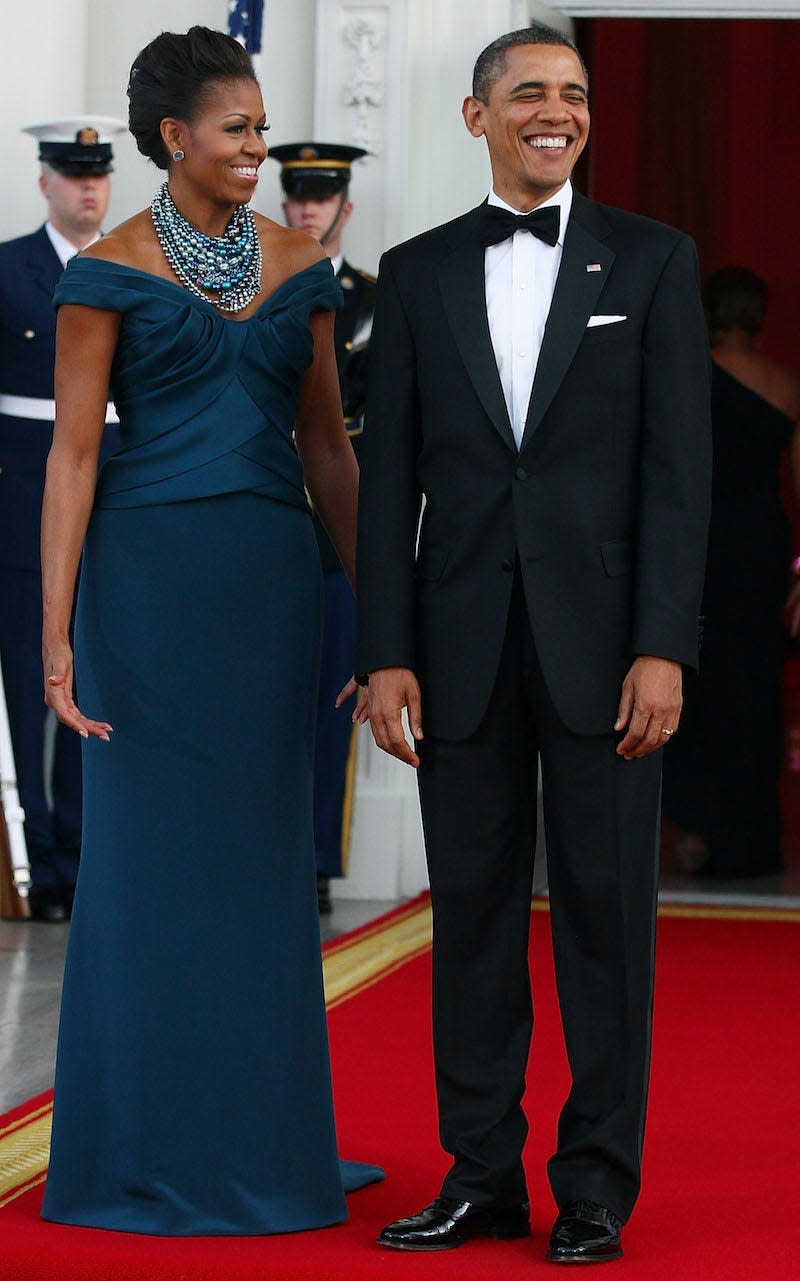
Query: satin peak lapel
(577, 290)
(463, 286)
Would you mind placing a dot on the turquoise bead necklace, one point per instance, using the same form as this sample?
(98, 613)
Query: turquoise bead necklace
(228, 265)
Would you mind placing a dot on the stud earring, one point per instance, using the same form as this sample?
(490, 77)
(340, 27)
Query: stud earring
(178, 155)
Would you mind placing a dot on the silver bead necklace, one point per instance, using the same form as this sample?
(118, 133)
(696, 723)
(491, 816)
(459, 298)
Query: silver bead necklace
(228, 265)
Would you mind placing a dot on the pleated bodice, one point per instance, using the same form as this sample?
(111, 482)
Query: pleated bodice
(206, 404)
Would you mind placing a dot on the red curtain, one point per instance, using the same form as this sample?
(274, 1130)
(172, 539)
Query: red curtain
(697, 123)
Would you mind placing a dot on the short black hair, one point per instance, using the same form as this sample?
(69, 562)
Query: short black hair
(171, 77)
(735, 298)
(491, 63)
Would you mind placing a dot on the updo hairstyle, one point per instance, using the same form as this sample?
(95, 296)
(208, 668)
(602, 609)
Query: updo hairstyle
(171, 77)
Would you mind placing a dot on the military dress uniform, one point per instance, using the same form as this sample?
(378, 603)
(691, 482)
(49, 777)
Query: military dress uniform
(30, 268)
(312, 170)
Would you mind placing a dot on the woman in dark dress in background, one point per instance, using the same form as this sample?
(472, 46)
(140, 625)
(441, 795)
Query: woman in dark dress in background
(721, 772)
(192, 1084)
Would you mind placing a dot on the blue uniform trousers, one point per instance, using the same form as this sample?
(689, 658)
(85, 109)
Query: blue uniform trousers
(53, 836)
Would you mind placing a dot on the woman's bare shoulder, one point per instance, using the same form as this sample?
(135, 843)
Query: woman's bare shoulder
(787, 391)
(293, 248)
(132, 244)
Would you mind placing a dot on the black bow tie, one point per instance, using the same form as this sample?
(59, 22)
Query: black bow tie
(499, 224)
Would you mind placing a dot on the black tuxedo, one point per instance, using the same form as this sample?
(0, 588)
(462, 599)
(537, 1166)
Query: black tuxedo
(605, 503)
(539, 575)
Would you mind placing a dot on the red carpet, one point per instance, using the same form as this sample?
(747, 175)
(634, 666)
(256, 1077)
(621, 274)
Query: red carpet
(720, 1195)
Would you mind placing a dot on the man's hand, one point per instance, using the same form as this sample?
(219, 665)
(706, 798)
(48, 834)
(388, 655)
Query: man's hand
(391, 689)
(649, 707)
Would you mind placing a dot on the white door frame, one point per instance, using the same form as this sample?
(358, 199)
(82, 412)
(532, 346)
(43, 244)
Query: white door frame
(681, 8)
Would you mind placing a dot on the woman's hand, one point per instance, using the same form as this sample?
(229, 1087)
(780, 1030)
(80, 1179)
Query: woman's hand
(360, 714)
(58, 675)
(348, 692)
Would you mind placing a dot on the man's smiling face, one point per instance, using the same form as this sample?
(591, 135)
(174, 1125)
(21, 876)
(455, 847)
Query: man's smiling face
(536, 122)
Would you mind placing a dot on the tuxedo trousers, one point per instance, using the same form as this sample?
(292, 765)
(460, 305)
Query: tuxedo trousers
(601, 814)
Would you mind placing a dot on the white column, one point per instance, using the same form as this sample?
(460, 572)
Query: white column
(524, 12)
(391, 77)
(387, 854)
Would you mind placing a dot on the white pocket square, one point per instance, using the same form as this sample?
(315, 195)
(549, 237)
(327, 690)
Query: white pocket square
(604, 320)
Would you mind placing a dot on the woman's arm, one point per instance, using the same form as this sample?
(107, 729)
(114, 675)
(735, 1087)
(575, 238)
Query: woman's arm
(329, 465)
(85, 343)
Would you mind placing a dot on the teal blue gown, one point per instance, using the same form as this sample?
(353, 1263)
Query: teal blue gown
(193, 1090)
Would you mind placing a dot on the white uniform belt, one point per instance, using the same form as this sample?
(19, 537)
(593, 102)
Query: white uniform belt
(38, 407)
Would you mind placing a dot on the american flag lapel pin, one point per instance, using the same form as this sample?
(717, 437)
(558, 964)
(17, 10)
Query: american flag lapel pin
(593, 266)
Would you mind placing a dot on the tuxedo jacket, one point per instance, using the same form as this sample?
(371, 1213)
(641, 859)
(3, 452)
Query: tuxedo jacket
(604, 507)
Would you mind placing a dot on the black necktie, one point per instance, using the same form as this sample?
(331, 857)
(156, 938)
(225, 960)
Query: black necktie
(499, 224)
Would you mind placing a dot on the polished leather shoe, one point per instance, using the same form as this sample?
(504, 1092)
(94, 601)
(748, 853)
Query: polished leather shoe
(446, 1223)
(585, 1232)
(324, 895)
(50, 905)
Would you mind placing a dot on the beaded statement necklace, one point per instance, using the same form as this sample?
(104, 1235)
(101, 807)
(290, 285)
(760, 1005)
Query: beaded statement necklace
(228, 265)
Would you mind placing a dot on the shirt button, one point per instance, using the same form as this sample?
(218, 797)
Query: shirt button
(524, 285)
(521, 473)
(522, 354)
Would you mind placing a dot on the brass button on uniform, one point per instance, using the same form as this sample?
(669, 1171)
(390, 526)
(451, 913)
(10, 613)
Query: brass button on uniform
(29, 333)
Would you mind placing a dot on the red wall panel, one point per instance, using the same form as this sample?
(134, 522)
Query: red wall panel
(697, 123)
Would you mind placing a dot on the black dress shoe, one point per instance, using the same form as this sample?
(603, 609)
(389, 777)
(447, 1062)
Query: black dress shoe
(585, 1232)
(324, 895)
(49, 904)
(447, 1223)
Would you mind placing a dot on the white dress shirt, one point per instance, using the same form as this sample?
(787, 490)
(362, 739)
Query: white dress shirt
(63, 247)
(520, 281)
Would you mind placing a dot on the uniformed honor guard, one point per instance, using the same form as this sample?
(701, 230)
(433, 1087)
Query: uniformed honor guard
(316, 180)
(75, 156)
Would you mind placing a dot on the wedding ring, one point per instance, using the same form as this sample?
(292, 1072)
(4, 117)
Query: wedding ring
(668, 732)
